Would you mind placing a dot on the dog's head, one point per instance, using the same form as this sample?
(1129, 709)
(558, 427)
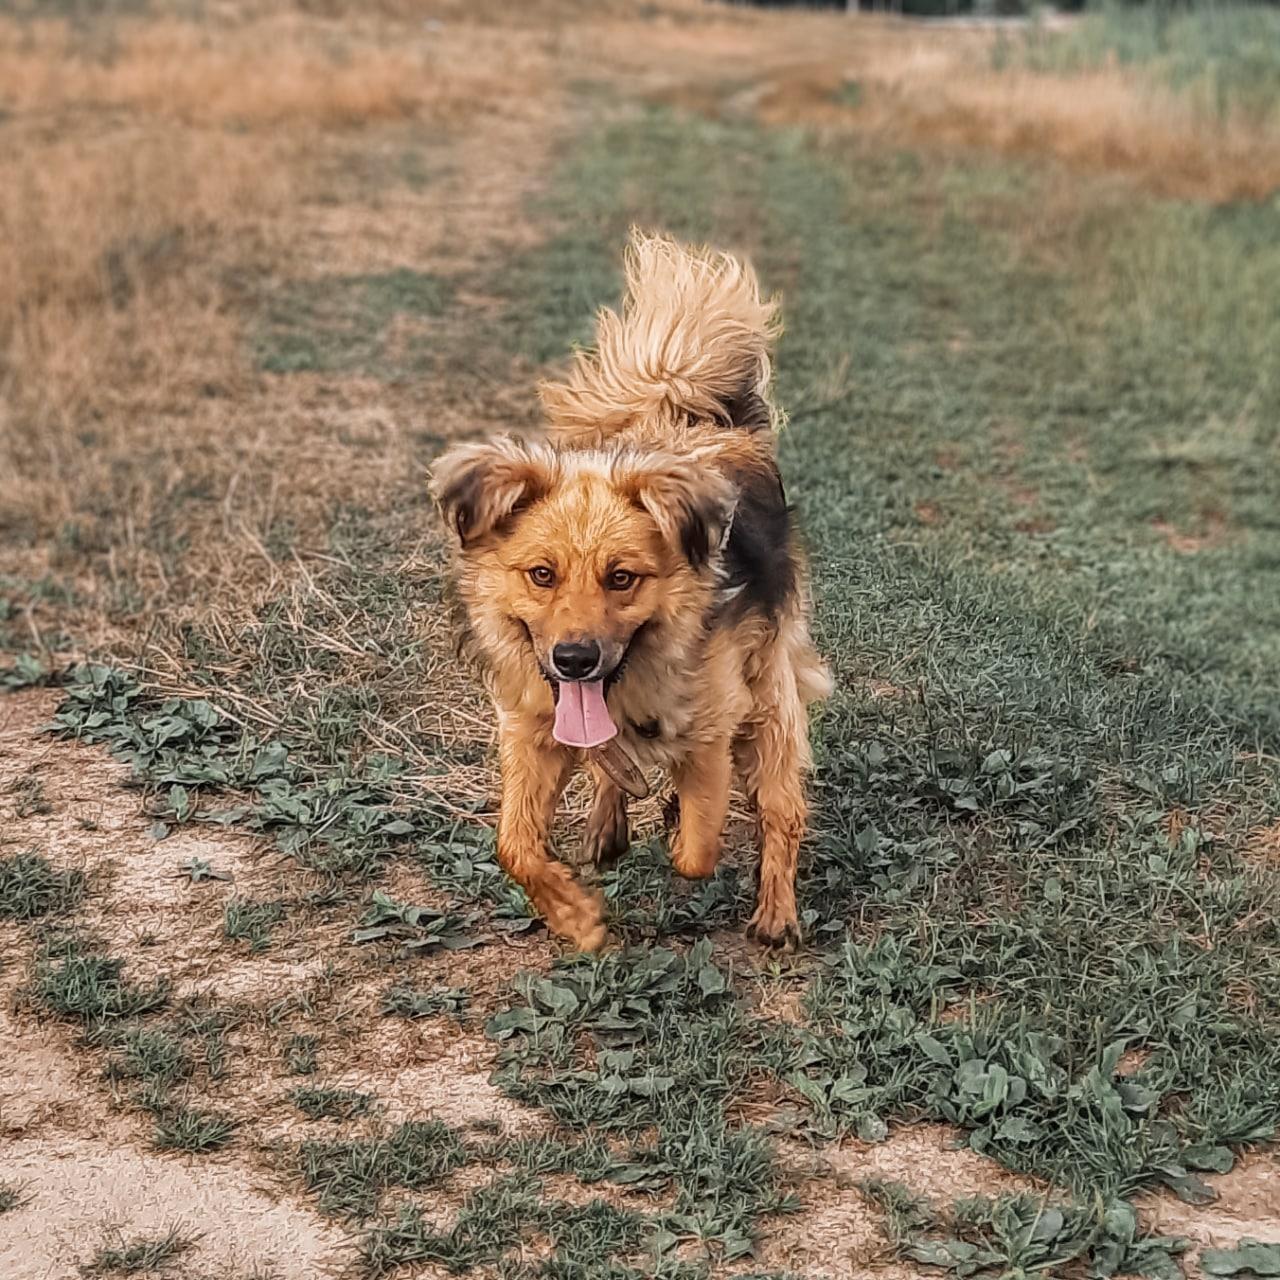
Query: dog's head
(582, 549)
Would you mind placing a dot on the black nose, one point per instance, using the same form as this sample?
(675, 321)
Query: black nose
(576, 659)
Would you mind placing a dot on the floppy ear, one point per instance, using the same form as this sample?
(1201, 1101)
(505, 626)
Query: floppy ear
(691, 504)
(478, 486)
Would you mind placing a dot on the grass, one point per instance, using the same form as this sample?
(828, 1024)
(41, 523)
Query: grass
(30, 887)
(156, 1057)
(1029, 786)
(341, 324)
(155, 1064)
(13, 1195)
(1025, 861)
(1225, 57)
(144, 1256)
(1032, 423)
(192, 1130)
(408, 1002)
(300, 1055)
(331, 1104)
(252, 922)
(73, 978)
(350, 1177)
(591, 1239)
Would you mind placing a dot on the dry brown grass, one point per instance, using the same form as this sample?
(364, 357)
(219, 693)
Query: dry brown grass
(161, 172)
(277, 71)
(938, 88)
(1103, 121)
(943, 93)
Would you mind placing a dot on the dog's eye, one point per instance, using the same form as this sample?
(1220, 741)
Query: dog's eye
(621, 580)
(541, 576)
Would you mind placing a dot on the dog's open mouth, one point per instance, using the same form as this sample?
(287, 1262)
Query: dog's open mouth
(582, 716)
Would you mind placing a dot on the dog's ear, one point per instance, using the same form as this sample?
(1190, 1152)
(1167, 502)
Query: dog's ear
(478, 486)
(691, 504)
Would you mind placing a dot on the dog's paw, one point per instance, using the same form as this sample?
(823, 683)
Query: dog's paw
(772, 926)
(694, 860)
(607, 836)
(568, 908)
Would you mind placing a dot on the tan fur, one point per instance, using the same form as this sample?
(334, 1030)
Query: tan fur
(638, 478)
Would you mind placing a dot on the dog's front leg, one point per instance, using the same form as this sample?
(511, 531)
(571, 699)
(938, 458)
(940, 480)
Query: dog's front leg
(607, 836)
(702, 783)
(533, 776)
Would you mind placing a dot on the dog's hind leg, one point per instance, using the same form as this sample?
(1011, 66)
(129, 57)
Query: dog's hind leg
(773, 758)
(702, 783)
(532, 780)
(607, 836)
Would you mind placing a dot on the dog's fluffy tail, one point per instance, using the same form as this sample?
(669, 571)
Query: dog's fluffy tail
(692, 343)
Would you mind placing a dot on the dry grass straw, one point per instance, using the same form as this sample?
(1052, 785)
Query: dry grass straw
(940, 88)
(276, 71)
(158, 172)
(944, 93)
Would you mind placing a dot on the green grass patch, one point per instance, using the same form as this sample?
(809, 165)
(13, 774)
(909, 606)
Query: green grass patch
(349, 1178)
(13, 1195)
(654, 1043)
(591, 1239)
(252, 922)
(590, 1160)
(30, 887)
(342, 324)
(76, 980)
(193, 1130)
(1226, 57)
(1068, 679)
(410, 1002)
(148, 1060)
(144, 1256)
(1024, 1235)
(151, 1056)
(331, 1104)
(300, 1054)
(1034, 479)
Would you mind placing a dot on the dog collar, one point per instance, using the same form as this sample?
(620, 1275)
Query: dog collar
(617, 762)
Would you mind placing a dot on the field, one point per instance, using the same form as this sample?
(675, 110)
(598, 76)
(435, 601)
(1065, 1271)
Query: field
(268, 1007)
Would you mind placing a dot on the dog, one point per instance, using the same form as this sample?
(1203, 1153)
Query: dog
(637, 594)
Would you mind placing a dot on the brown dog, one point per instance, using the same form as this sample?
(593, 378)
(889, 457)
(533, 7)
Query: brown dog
(636, 592)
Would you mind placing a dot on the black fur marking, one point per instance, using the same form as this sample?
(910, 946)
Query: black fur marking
(759, 559)
(702, 520)
(462, 500)
(748, 411)
(649, 729)
(465, 499)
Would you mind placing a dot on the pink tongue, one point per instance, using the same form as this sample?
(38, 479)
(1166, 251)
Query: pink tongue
(582, 719)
